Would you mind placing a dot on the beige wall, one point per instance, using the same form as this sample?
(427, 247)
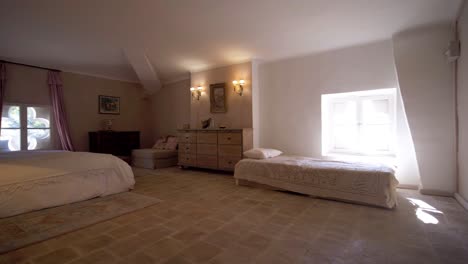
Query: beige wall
(290, 98)
(463, 106)
(28, 85)
(239, 108)
(171, 108)
(427, 86)
(81, 99)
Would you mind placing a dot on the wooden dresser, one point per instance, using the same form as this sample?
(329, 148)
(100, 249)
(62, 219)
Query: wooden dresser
(217, 149)
(117, 143)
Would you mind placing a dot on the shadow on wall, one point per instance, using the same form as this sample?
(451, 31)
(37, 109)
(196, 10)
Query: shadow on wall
(426, 82)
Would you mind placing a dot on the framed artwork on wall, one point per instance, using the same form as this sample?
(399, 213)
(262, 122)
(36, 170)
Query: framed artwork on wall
(218, 98)
(109, 105)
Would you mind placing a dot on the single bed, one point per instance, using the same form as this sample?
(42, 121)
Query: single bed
(40, 179)
(354, 182)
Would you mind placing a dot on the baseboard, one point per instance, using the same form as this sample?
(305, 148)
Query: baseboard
(408, 186)
(436, 192)
(461, 200)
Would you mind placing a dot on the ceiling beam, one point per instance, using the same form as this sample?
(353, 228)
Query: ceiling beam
(144, 70)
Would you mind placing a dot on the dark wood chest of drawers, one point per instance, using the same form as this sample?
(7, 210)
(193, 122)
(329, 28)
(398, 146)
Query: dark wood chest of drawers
(118, 143)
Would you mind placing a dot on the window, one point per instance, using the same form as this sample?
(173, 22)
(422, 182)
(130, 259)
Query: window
(25, 127)
(359, 123)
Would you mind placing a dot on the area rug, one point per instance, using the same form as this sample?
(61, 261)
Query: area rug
(22, 230)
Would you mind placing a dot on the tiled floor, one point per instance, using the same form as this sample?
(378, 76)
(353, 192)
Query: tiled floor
(205, 218)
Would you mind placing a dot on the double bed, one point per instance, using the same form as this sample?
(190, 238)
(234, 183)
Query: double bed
(33, 180)
(361, 183)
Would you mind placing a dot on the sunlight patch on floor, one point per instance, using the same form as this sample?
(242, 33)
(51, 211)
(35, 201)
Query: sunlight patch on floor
(424, 210)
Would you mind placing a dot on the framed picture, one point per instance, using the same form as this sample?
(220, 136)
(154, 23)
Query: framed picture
(218, 98)
(109, 105)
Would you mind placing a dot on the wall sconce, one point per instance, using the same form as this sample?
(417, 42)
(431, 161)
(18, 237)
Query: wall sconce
(238, 86)
(196, 92)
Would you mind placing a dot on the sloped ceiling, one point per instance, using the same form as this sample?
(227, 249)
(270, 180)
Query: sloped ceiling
(180, 36)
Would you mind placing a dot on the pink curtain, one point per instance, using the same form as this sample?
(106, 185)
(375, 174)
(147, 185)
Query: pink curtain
(2, 88)
(58, 109)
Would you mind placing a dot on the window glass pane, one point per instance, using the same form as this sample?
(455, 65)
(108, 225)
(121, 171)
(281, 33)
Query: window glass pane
(376, 138)
(10, 140)
(11, 116)
(345, 137)
(38, 117)
(344, 112)
(359, 122)
(376, 111)
(39, 139)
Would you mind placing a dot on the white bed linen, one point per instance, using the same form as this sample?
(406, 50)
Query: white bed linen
(357, 182)
(41, 179)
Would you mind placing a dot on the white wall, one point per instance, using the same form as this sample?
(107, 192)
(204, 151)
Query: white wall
(463, 106)
(291, 89)
(256, 103)
(427, 86)
(170, 108)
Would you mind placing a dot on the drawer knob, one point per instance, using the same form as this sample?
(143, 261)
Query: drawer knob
(186, 137)
(230, 162)
(228, 138)
(187, 158)
(186, 148)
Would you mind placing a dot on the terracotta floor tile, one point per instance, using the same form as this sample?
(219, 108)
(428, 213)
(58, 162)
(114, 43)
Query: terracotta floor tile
(164, 249)
(255, 241)
(127, 246)
(23, 254)
(201, 252)
(94, 243)
(98, 257)
(236, 254)
(123, 232)
(208, 225)
(57, 256)
(189, 235)
(222, 239)
(139, 258)
(177, 260)
(154, 234)
(204, 217)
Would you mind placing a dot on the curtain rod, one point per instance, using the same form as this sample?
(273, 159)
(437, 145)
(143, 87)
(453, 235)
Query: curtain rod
(31, 66)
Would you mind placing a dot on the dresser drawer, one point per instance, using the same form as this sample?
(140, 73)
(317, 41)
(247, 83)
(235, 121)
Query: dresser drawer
(230, 150)
(188, 137)
(187, 148)
(228, 163)
(207, 161)
(207, 137)
(187, 160)
(230, 138)
(207, 149)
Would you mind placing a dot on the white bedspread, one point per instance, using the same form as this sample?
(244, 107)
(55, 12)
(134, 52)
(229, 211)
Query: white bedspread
(41, 179)
(356, 182)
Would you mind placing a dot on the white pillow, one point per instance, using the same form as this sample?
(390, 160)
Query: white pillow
(262, 153)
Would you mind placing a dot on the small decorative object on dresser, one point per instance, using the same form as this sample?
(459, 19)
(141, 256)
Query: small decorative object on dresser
(206, 123)
(109, 105)
(218, 149)
(108, 124)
